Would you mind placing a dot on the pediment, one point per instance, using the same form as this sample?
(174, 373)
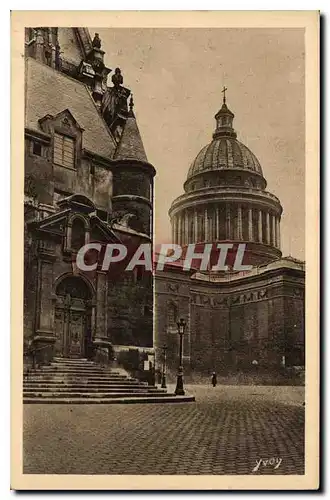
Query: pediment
(54, 224)
(77, 203)
(101, 231)
(64, 121)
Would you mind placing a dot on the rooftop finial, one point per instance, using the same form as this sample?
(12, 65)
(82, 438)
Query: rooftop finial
(131, 103)
(224, 94)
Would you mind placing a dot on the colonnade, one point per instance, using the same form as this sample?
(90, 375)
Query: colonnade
(226, 222)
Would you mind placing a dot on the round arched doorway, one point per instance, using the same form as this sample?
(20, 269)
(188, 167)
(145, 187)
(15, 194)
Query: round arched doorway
(73, 313)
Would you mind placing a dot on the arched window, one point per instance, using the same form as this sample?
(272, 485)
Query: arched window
(78, 234)
(172, 314)
(75, 287)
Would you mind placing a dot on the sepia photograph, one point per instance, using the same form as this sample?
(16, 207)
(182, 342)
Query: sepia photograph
(166, 328)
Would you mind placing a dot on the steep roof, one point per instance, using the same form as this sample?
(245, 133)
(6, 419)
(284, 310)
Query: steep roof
(130, 145)
(65, 93)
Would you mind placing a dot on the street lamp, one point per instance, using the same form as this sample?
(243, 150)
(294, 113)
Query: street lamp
(164, 368)
(179, 391)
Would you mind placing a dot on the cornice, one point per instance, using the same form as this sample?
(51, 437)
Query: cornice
(37, 135)
(132, 197)
(226, 195)
(143, 165)
(216, 171)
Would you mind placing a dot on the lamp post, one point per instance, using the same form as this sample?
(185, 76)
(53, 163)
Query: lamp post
(179, 391)
(164, 368)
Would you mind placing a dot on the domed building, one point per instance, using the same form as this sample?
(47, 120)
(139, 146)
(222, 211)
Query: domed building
(235, 320)
(226, 199)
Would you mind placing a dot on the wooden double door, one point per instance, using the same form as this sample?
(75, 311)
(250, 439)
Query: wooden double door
(73, 319)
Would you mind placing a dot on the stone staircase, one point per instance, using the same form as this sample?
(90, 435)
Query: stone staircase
(79, 381)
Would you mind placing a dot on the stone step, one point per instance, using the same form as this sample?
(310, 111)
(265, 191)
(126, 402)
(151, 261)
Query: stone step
(54, 373)
(72, 376)
(65, 369)
(87, 388)
(120, 400)
(74, 363)
(79, 381)
(72, 379)
(72, 360)
(75, 372)
(80, 366)
(91, 395)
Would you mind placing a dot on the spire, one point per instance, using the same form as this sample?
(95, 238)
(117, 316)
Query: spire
(130, 146)
(224, 119)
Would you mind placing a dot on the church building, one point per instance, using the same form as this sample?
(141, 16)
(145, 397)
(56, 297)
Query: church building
(235, 320)
(87, 179)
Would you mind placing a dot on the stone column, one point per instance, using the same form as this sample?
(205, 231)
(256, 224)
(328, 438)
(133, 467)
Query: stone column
(44, 320)
(179, 239)
(217, 232)
(206, 225)
(228, 223)
(250, 224)
(267, 228)
(278, 234)
(93, 320)
(186, 241)
(68, 237)
(101, 305)
(239, 223)
(260, 226)
(195, 226)
(273, 230)
(174, 226)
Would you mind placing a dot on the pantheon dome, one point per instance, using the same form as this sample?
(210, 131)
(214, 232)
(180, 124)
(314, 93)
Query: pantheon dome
(225, 198)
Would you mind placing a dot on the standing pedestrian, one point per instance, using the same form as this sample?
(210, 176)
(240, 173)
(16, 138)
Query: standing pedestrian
(214, 379)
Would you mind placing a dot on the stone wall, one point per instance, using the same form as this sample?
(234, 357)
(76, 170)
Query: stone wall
(48, 183)
(233, 325)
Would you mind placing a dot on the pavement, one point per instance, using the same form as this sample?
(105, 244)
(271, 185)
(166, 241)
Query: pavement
(228, 430)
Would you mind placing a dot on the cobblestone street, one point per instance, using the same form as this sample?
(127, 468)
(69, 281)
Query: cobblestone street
(228, 430)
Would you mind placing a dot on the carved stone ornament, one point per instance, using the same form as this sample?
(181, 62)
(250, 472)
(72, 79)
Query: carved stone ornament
(173, 287)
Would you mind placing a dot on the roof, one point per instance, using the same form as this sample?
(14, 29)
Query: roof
(66, 93)
(224, 111)
(224, 153)
(130, 145)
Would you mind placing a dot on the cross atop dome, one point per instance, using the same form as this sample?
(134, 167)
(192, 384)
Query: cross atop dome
(224, 93)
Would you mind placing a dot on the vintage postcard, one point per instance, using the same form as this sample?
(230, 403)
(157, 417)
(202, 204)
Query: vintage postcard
(165, 197)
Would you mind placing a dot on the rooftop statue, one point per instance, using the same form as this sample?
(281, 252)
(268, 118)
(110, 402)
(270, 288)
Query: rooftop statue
(96, 43)
(117, 78)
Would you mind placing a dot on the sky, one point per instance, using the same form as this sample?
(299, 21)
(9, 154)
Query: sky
(176, 76)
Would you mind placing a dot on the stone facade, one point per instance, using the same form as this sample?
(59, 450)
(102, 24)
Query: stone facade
(258, 315)
(87, 179)
(235, 320)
